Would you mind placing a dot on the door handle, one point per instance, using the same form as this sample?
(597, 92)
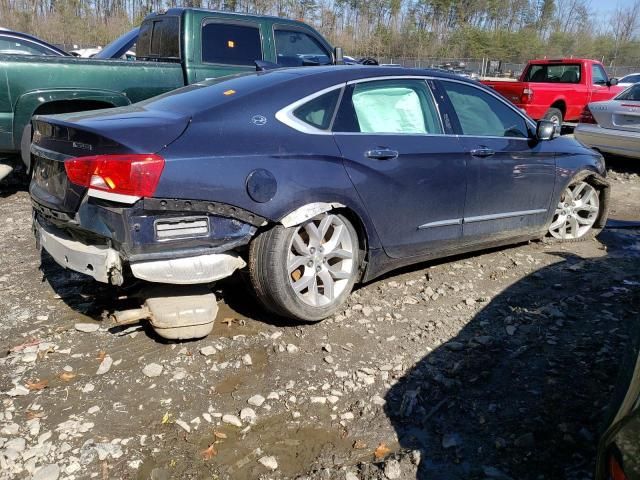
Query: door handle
(382, 154)
(482, 152)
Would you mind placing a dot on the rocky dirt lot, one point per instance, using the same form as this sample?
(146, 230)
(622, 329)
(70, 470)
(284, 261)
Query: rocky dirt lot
(499, 365)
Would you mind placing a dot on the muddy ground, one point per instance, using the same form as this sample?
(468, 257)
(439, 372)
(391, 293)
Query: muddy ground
(499, 364)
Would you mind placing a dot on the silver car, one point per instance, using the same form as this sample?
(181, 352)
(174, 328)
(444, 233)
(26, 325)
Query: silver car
(613, 126)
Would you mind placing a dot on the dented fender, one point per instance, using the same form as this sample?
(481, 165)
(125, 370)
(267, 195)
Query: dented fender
(308, 211)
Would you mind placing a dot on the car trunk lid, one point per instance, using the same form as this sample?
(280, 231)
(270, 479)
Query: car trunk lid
(61, 137)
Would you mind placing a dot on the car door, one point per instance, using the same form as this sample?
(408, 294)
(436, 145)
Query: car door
(509, 176)
(600, 90)
(404, 163)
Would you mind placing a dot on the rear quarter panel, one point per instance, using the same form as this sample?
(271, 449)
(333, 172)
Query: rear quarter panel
(212, 161)
(31, 82)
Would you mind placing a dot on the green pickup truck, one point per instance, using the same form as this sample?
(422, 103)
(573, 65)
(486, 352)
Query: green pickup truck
(174, 48)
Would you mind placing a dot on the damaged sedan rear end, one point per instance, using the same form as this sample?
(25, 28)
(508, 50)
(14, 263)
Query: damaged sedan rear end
(313, 179)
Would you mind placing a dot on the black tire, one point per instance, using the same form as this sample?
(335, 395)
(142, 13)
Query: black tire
(271, 281)
(25, 148)
(554, 114)
(600, 217)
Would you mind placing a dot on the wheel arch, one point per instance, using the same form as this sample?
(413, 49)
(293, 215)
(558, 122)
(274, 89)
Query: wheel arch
(560, 104)
(310, 210)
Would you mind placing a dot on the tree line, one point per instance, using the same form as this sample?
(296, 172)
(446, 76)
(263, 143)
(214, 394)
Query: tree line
(509, 30)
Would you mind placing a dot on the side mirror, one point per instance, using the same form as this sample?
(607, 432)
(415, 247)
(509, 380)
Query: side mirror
(547, 130)
(338, 56)
(612, 82)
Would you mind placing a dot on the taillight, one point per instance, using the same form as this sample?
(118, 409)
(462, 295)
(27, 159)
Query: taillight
(527, 95)
(586, 116)
(135, 174)
(615, 470)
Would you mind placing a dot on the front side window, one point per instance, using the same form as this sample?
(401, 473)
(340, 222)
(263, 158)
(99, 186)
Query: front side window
(319, 111)
(294, 48)
(231, 44)
(483, 115)
(561, 73)
(390, 106)
(599, 75)
(630, 94)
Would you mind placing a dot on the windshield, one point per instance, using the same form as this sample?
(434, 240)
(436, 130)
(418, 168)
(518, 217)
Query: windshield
(119, 46)
(630, 94)
(633, 78)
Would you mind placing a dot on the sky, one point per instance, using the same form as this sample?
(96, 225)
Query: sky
(608, 6)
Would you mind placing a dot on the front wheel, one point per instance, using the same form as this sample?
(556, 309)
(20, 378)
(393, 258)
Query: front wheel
(577, 212)
(305, 272)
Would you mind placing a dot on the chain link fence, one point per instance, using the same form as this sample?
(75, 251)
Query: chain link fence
(484, 67)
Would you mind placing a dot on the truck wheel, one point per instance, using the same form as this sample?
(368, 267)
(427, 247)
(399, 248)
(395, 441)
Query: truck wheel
(307, 271)
(25, 148)
(554, 115)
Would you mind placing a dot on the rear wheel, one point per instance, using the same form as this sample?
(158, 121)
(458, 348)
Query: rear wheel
(554, 115)
(307, 271)
(577, 213)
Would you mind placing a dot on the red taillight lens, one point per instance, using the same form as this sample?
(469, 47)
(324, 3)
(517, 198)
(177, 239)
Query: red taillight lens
(586, 116)
(527, 95)
(135, 174)
(615, 470)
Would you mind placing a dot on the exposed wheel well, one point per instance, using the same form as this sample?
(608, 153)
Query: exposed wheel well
(560, 105)
(68, 106)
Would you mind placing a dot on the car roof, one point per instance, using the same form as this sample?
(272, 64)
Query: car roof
(26, 36)
(180, 10)
(345, 73)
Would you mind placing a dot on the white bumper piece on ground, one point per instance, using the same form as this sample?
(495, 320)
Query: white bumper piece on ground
(609, 140)
(104, 264)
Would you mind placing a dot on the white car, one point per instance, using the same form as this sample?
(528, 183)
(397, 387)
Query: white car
(629, 80)
(613, 126)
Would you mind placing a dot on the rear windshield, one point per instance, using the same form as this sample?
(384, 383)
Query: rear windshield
(159, 39)
(630, 94)
(555, 73)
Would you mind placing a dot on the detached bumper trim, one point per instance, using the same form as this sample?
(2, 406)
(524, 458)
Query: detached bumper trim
(100, 262)
(609, 140)
(190, 270)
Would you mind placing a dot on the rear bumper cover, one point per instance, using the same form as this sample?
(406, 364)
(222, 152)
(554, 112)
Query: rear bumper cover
(609, 140)
(98, 261)
(104, 264)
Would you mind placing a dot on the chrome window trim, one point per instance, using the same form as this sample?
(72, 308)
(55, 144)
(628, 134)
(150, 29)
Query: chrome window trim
(286, 116)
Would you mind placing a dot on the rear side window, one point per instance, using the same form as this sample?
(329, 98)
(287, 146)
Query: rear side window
(294, 48)
(483, 115)
(563, 73)
(10, 45)
(319, 111)
(390, 106)
(631, 94)
(599, 75)
(159, 39)
(231, 44)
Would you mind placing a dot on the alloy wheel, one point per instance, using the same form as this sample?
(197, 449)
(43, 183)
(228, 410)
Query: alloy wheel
(320, 260)
(576, 213)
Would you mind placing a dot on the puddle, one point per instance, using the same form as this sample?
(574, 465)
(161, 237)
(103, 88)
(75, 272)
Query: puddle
(295, 447)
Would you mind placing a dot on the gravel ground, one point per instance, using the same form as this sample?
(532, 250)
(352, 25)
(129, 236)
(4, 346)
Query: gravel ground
(499, 364)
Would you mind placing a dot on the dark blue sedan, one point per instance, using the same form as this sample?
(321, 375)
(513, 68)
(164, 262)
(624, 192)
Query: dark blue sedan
(310, 179)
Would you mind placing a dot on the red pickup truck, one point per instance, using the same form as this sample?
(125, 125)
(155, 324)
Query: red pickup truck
(558, 90)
